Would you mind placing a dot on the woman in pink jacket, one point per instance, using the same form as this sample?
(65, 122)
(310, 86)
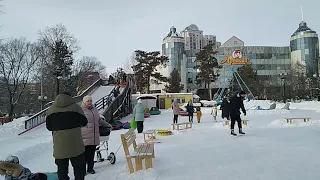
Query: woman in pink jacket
(175, 109)
(90, 133)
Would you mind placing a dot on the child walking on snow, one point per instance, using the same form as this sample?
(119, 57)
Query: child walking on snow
(199, 114)
(214, 112)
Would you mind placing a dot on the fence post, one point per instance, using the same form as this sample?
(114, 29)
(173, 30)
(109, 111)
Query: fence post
(103, 103)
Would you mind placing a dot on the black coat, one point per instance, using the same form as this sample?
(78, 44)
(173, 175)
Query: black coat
(236, 103)
(225, 107)
(190, 109)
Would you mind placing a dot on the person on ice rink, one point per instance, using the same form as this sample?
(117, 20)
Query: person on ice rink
(236, 103)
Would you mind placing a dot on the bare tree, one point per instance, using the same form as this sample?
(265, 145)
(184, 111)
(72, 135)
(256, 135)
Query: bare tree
(50, 35)
(129, 63)
(86, 65)
(48, 39)
(17, 60)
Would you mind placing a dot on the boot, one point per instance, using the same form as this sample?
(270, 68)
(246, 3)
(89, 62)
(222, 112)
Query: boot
(232, 133)
(240, 131)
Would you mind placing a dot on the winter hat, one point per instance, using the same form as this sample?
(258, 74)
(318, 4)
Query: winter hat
(12, 159)
(139, 101)
(86, 98)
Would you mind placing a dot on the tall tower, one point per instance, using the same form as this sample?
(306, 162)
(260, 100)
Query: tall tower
(304, 45)
(173, 48)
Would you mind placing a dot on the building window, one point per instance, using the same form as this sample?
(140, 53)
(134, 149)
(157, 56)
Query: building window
(235, 42)
(183, 100)
(178, 100)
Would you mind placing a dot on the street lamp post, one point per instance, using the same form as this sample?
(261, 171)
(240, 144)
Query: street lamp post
(283, 77)
(42, 99)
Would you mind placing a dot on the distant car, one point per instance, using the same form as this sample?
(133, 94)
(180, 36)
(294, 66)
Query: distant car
(183, 112)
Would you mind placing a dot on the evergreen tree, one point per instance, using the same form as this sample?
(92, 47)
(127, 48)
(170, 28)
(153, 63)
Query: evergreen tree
(174, 85)
(145, 68)
(62, 62)
(206, 64)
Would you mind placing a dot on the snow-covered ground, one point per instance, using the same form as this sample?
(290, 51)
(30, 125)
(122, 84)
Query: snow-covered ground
(271, 149)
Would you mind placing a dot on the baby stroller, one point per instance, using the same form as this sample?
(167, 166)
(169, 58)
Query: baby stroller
(104, 138)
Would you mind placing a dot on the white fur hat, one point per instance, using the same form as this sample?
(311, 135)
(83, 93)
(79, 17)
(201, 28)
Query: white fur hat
(86, 98)
(139, 101)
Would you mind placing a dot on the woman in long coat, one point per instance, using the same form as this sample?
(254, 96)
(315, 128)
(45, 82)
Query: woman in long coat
(225, 107)
(91, 133)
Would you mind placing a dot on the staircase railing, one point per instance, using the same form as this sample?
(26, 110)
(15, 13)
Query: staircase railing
(122, 102)
(39, 118)
(105, 101)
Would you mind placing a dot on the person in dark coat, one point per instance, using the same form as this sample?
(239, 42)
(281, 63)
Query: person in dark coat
(65, 119)
(190, 111)
(236, 103)
(225, 107)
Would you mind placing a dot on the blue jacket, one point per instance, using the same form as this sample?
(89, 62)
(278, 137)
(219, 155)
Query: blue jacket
(138, 112)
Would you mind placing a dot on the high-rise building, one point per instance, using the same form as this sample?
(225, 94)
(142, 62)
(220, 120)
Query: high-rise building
(173, 47)
(304, 46)
(193, 37)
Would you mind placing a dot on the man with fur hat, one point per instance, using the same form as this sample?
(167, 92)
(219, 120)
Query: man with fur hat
(236, 103)
(65, 119)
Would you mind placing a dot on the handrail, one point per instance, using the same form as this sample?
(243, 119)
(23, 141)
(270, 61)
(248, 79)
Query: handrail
(39, 118)
(116, 104)
(105, 100)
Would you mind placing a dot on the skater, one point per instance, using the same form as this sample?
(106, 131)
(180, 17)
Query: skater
(12, 170)
(175, 109)
(65, 119)
(190, 110)
(214, 112)
(90, 133)
(225, 107)
(236, 103)
(138, 115)
(199, 114)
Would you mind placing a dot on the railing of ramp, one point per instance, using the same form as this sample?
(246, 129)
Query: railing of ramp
(39, 118)
(121, 105)
(105, 101)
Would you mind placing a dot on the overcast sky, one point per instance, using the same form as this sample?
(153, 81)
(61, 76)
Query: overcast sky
(112, 29)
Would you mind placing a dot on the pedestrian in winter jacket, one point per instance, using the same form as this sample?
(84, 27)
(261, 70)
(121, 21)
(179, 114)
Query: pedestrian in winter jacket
(214, 112)
(12, 170)
(225, 107)
(199, 114)
(65, 119)
(175, 109)
(138, 115)
(236, 103)
(90, 132)
(190, 110)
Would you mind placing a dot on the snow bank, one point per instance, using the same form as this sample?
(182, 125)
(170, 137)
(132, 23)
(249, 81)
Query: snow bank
(14, 127)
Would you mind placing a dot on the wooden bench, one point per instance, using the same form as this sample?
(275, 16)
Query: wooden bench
(244, 122)
(143, 151)
(151, 135)
(290, 120)
(186, 125)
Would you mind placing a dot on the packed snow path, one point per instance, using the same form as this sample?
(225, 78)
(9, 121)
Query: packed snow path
(271, 149)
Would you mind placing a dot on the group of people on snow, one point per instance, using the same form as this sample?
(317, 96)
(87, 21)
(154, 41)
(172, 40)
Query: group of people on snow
(230, 110)
(76, 135)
